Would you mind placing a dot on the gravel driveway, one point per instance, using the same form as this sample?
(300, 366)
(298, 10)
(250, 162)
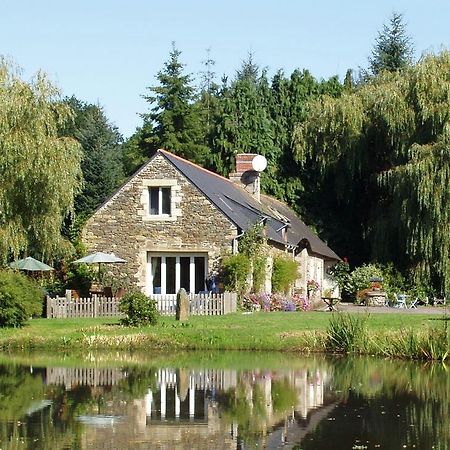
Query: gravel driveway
(350, 307)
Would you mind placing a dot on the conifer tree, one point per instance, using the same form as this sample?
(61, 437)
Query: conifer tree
(102, 156)
(176, 121)
(393, 47)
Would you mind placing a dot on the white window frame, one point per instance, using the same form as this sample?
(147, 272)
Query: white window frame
(175, 200)
(177, 256)
(160, 200)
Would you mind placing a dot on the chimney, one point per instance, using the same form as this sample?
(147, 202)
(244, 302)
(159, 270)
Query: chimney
(247, 172)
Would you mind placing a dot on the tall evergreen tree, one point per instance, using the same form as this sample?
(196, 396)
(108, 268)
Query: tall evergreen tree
(102, 157)
(393, 47)
(243, 124)
(177, 124)
(138, 148)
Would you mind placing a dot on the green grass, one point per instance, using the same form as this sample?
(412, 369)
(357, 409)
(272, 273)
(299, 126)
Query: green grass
(300, 332)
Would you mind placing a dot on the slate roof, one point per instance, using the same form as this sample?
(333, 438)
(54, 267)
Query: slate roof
(243, 210)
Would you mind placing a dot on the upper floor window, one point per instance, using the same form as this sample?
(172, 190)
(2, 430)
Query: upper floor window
(160, 198)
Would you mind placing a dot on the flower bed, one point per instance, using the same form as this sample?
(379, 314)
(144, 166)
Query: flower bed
(275, 302)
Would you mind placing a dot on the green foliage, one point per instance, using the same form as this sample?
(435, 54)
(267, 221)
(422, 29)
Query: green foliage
(284, 273)
(340, 273)
(347, 333)
(393, 280)
(80, 278)
(393, 48)
(384, 148)
(259, 273)
(20, 299)
(178, 125)
(251, 244)
(102, 155)
(359, 278)
(235, 270)
(139, 310)
(138, 148)
(41, 171)
(251, 241)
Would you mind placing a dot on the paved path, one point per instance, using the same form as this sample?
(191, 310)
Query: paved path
(350, 307)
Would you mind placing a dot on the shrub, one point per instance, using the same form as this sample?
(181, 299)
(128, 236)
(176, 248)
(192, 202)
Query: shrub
(234, 272)
(284, 273)
(139, 310)
(274, 302)
(340, 273)
(360, 277)
(20, 299)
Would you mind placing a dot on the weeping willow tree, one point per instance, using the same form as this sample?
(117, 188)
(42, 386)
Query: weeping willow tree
(386, 148)
(40, 171)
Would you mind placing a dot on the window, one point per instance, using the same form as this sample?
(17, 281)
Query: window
(167, 273)
(159, 201)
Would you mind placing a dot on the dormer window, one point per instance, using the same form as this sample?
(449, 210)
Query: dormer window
(160, 199)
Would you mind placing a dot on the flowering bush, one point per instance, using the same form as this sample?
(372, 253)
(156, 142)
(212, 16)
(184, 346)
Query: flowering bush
(312, 286)
(289, 305)
(274, 302)
(302, 303)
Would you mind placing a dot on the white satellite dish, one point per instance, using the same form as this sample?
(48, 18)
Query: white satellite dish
(259, 163)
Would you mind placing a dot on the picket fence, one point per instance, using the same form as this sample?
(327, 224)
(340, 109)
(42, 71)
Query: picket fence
(98, 306)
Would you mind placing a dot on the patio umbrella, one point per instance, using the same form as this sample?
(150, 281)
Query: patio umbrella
(100, 258)
(30, 264)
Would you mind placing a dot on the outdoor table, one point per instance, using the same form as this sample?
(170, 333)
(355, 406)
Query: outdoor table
(331, 302)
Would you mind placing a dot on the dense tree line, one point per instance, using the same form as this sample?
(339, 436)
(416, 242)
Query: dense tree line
(364, 161)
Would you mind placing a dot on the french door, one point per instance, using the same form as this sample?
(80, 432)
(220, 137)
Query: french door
(168, 272)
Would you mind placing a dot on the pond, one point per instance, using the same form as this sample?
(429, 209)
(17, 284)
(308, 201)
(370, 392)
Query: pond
(221, 401)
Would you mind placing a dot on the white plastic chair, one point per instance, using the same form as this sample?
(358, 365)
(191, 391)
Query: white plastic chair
(400, 301)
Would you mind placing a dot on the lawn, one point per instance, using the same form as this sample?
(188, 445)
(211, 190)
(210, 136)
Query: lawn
(279, 331)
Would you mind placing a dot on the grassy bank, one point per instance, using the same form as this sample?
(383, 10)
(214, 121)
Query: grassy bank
(397, 335)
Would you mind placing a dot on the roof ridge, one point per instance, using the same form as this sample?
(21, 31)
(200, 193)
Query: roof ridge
(210, 172)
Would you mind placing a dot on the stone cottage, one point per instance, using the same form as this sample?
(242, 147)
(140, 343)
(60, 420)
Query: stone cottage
(172, 221)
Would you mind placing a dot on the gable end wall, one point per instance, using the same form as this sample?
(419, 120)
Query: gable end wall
(122, 225)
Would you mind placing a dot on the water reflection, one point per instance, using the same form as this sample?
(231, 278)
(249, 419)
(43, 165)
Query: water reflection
(306, 403)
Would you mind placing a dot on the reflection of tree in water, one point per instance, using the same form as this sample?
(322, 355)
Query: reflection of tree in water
(25, 417)
(258, 401)
(53, 424)
(387, 403)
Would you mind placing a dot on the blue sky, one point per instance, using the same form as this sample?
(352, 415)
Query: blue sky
(108, 52)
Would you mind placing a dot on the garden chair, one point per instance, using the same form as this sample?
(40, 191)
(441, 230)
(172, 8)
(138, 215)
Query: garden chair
(439, 301)
(414, 303)
(400, 301)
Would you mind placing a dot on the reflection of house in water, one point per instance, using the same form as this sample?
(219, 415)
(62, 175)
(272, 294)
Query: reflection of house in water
(197, 408)
(70, 377)
(185, 395)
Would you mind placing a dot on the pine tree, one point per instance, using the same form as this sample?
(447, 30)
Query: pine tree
(177, 122)
(102, 157)
(393, 47)
(243, 124)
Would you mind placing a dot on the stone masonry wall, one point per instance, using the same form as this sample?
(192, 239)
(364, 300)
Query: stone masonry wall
(123, 225)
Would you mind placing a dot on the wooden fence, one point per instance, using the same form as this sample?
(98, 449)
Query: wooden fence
(199, 304)
(97, 306)
(65, 307)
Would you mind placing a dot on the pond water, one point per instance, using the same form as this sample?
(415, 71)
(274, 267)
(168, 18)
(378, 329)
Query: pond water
(228, 401)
